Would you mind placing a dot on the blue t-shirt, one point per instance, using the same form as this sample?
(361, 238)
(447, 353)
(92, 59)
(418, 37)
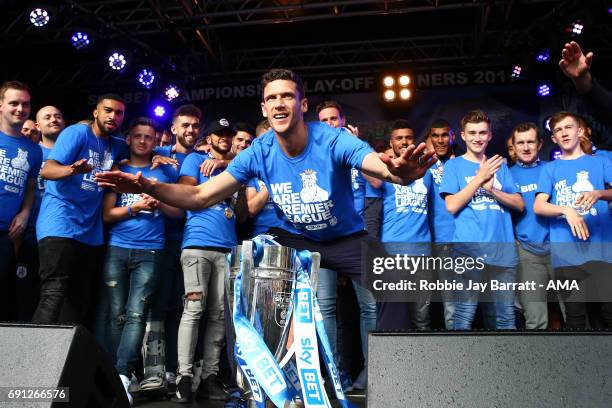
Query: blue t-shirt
(313, 190)
(20, 160)
(604, 153)
(41, 184)
(174, 226)
(72, 206)
(484, 224)
(358, 183)
(441, 222)
(531, 230)
(267, 218)
(563, 181)
(211, 227)
(145, 230)
(405, 213)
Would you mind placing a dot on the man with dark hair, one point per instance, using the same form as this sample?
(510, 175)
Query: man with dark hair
(243, 138)
(20, 161)
(30, 131)
(477, 191)
(573, 193)
(510, 150)
(166, 308)
(441, 222)
(531, 230)
(136, 240)
(69, 226)
(313, 158)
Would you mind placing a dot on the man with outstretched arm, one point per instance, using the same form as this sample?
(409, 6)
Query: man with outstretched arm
(305, 169)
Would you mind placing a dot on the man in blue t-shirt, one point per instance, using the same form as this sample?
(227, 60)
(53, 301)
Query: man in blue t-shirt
(20, 161)
(136, 239)
(50, 122)
(167, 308)
(531, 230)
(441, 223)
(404, 225)
(478, 192)
(210, 234)
(306, 170)
(69, 226)
(574, 193)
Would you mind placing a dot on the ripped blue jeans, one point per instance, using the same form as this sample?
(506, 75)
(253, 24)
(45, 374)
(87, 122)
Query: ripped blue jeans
(130, 278)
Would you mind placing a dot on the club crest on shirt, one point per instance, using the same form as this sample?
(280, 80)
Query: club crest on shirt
(21, 161)
(311, 192)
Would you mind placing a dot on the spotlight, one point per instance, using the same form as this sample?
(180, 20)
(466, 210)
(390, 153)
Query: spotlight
(159, 111)
(146, 77)
(516, 71)
(389, 95)
(80, 40)
(404, 94)
(543, 56)
(388, 81)
(39, 17)
(610, 9)
(543, 90)
(172, 92)
(404, 80)
(575, 29)
(117, 61)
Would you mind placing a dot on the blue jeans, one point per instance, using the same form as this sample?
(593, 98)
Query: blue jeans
(129, 277)
(326, 296)
(502, 301)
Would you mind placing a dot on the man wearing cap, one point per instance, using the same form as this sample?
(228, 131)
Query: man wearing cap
(208, 236)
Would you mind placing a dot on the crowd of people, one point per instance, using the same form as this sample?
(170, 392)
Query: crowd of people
(129, 234)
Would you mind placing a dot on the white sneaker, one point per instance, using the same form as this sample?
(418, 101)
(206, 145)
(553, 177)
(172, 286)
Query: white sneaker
(126, 385)
(153, 382)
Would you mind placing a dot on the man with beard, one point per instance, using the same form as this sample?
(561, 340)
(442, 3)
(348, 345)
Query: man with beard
(20, 161)
(49, 122)
(209, 235)
(160, 338)
(69, 226)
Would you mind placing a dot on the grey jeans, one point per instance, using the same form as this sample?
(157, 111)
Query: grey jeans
(534, 268)
(203, 271)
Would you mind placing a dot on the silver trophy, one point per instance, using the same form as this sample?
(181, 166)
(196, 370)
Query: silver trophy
(267, 285)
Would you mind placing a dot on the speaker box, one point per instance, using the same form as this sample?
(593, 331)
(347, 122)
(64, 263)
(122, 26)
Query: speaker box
(489, 369)
(59, 356)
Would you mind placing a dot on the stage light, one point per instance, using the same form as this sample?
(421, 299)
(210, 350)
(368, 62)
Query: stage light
(404, 80)
(172, 92)
(39, 17)
(117, 61)
(575, 29)
(516, 71)
(80, 40)
(543, 90)
(159, 111)
(146, 77)
(388, 81)
(546, 123)
(405, 94)
(610, 9)
(543, 55)
(389, 95)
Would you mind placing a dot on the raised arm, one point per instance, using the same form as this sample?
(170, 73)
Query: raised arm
(177, 195)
